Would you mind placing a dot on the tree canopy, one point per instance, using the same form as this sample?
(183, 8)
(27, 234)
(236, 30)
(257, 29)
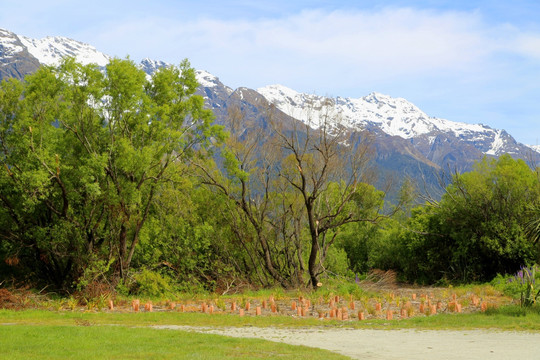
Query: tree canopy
(112, 177)
(86, 154)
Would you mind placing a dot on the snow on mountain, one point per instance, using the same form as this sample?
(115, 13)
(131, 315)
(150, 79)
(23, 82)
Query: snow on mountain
(535, 148)
(394, 116)
(149, 66)
(9, 44)
(204, 78)
(50, 50)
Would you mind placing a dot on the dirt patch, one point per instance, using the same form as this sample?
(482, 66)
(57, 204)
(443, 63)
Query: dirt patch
(397, 344)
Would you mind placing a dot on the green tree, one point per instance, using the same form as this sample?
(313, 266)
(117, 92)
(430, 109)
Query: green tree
(86, 154)
(477, 229)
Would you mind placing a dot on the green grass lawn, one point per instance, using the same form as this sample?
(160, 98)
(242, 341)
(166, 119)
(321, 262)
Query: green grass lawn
(42, 334)
(120, 342)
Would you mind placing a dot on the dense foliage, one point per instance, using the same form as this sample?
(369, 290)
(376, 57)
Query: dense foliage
(114, 179)
(87, 156)
(477, 230)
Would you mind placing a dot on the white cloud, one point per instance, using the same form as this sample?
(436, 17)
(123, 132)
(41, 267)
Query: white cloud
(388, 43)
(401, 51)
(528, 45)
(463, 65)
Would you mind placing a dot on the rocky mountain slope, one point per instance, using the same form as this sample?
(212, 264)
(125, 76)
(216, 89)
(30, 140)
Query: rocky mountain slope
(408, 142)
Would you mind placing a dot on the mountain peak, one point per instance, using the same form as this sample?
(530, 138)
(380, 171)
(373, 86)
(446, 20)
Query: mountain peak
(10, 45)
(393, 116)
(51, 49)
(149, 66)
(20, 55)
(206, 79)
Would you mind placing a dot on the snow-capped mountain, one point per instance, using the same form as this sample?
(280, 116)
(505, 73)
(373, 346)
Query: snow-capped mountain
(393, 116)
(50, 50)
(406, 137)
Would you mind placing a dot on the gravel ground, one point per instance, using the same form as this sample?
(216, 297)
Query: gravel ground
(398, 344)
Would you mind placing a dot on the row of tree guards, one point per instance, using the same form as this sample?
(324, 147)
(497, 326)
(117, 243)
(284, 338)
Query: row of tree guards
(336, 308)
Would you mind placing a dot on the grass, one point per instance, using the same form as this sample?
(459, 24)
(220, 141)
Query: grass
(113, 342)
(42, 334)
(62, 329)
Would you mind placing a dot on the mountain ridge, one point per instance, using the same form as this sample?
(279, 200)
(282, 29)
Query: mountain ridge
(404, 134)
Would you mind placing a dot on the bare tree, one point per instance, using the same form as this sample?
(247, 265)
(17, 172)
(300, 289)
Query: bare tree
(260, 220)
(296, 179)
(328, 165)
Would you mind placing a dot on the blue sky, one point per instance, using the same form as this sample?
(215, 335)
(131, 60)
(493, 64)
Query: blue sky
(470, 61)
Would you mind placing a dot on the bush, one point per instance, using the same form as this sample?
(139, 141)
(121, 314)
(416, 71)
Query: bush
(150, 283)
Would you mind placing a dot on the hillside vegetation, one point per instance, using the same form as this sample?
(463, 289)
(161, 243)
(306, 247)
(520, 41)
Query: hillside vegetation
(114, 181)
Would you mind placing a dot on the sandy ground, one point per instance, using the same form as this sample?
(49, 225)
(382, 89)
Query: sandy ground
(398, 344)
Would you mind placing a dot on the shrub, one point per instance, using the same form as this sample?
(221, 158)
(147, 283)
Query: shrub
(151, 283)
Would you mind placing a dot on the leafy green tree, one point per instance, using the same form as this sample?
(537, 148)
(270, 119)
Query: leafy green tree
(375, 245)
(86, 154)
(477, 230)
